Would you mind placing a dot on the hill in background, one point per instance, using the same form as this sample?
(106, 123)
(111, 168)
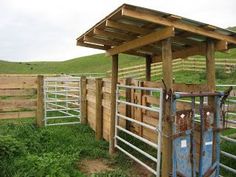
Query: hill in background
(98, 63)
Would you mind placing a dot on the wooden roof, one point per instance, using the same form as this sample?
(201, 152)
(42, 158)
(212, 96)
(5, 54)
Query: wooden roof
(139, 31)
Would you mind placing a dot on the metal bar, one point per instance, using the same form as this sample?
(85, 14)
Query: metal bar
(225, 85)
(137, 122)
(159, 141)
(217, 135)
(201, 137)
(228, 139)
(193, 143)
(139, 106)
(61, 91)
(56, 93)
(58, 101)
(135, 159)
(140, 88)
(138, 137)
(137, 149)
(231, 121)
(62, 117)
(53, 109)
(202, 94)
(65, 123)
(60, 86)
(174, 156)
(228, 155)
(228, 168)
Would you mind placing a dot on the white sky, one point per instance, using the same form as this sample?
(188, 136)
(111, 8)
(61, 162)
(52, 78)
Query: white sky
(33, 30)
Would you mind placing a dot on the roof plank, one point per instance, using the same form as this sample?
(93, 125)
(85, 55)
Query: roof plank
(126, 27)
(126, 12)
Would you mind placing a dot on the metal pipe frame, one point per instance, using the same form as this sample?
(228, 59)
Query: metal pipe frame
(157, 129)
(52, 103)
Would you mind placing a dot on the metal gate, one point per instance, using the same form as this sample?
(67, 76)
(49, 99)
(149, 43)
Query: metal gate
(132, 144)
(61, 100)
(194, 131)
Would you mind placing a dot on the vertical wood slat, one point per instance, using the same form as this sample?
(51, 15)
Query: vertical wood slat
(114, 79)
(167, 126)
(40, 102)
(98, 120)
(128, 99)
(83, 100)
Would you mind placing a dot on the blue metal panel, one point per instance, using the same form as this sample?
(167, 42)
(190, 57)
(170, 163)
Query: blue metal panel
(207, 150)
(183, 155)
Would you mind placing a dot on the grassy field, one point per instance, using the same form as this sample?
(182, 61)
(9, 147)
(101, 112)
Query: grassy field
(89, 64)
(27, 151)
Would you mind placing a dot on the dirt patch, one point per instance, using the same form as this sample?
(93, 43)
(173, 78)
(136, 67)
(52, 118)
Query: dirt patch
(140, 171)
(91, 166)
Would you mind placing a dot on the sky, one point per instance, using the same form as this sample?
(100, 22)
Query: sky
(36, 30)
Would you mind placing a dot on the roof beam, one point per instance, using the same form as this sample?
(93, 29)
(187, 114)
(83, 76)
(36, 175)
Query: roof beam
(142, 41)
(100, 41)
(196, 50)
(126, 27)
(90, 45)
(177, 24)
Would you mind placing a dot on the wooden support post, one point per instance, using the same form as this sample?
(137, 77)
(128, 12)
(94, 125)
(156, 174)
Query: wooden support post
(98, 120)
(40, 103)
(210, 76)
(128, 99)
(148, 68)
(83, 100)
(210, 65)
(167, 126)
(114, 79)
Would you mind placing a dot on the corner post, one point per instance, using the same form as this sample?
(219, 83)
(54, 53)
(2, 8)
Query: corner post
(114, 80)
(40, 103)
(210, 77)
(167, 125)
(83, 100)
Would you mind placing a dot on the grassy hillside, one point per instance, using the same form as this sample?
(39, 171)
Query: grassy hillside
(89, 64)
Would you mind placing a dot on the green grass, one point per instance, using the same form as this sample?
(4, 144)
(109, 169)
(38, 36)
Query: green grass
(27, 151)
(89, 64)
(230, 148)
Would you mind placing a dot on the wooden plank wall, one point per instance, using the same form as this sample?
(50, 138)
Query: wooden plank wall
(136, 113)
(18, 97)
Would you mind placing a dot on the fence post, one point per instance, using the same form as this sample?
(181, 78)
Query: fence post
(83, 100)
(40, 103)
(98, 128)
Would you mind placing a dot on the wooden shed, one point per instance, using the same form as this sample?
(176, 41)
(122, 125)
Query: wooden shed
(156, 36)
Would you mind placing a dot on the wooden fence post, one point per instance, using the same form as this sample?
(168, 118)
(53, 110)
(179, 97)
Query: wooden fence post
(98, 128)
(83, 100)
(40, 102)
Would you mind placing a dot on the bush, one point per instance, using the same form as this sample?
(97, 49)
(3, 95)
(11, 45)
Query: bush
(10, 147)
